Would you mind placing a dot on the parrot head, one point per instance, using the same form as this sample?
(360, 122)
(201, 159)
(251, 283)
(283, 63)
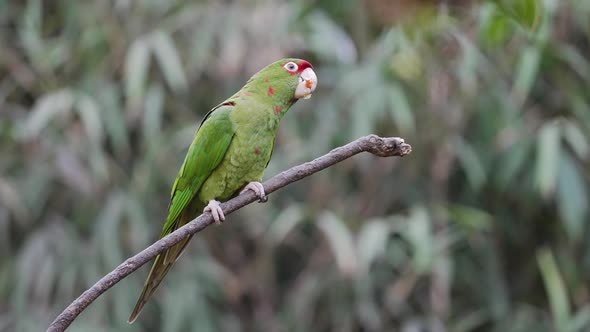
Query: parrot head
(289, 78)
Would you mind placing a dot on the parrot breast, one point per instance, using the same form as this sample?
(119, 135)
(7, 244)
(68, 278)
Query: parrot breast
(245, 160)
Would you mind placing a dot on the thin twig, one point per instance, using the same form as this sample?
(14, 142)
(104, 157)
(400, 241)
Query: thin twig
(383, 147)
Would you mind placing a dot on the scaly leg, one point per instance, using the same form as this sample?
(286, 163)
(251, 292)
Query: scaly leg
(258, 189)
(215, 210)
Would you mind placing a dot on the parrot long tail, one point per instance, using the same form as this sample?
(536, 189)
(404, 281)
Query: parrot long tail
(161, 266)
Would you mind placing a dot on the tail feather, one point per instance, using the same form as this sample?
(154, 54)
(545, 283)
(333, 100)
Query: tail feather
(174, 253)
(155, 277)
(162, 264)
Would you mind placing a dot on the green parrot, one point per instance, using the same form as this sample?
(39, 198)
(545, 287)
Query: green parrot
(229, 153)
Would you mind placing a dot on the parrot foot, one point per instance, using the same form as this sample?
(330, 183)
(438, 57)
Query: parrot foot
(216, 211)
(258, 189)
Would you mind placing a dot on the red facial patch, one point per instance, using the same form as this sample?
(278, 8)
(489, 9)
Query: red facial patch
(256, 150)
(270, 91)
(301, 66)
(277, 110)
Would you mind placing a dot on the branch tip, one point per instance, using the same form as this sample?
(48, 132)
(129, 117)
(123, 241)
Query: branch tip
(387, 146)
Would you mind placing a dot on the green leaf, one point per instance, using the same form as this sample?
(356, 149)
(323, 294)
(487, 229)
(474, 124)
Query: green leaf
(169, 60)
(470, 217)
(89, 113)
(407, 64)
(576, 139)
(555, 288)
(580, 321)
(401, 110)
(526, 72)
(202, 44)
(368, 108)
(471, 322)
(137, 64)
(469, 65)
(495, 27)
(154, 107)
(329, 40)
(48, 107)
(576, 60)
(419, 235)
(11, 198)
(341, 242)
(513, 162)
(106, 227)
(284, 223)
(572, 197)
(527, 13)
(548, 153)
(113, 118)
(471, 164)
(372, 240)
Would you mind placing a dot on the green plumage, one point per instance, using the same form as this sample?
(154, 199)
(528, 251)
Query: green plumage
(231, 148)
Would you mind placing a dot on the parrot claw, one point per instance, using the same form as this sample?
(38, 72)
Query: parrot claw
(216, 211)
(258, 189)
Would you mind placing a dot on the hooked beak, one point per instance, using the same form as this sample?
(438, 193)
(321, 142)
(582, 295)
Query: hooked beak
(308, 81)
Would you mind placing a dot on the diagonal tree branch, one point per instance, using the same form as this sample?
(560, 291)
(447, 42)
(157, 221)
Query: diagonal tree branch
(379, 146)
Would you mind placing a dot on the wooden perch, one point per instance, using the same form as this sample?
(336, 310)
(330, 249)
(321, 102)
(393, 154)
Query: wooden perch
(379, 146)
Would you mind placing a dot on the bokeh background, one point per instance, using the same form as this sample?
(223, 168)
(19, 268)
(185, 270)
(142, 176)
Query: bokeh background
(482, 228)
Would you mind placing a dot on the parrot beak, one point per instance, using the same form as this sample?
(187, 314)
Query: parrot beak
(308, 81)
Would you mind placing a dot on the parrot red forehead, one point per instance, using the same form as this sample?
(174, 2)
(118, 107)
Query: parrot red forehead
(297, 67)
(303, 65)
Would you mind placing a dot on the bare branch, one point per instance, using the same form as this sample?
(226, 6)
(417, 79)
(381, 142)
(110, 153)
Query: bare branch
(383, 147)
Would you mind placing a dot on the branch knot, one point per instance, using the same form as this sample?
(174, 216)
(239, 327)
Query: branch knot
(386, 146)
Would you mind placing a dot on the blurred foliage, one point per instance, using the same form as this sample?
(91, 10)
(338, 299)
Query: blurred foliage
(482, 228)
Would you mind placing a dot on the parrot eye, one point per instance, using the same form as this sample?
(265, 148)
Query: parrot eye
(291, 66)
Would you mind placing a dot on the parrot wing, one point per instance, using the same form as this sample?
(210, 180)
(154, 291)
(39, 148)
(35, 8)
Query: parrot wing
(205, 153)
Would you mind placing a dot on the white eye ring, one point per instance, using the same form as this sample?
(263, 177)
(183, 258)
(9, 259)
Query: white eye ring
(291, 66)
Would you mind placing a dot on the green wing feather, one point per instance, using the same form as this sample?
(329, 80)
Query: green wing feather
(205, 153)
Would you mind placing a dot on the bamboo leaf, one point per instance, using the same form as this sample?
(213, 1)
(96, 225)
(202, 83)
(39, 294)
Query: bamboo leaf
(526, 72)
(137, 64)
(495, 26)
(154, 109)
(470, 217)
(471, 164)
(419, 235)
(169, 60)
(401, 110)
(576, 139)
(572, 197)
(329, 40)
(89, 113)
(341, 242)
(513, 163)
(50, 106)
(555, 288)
(284, 223)
(580, 320)
(371, 242)
(527, 13)
(548, 154)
